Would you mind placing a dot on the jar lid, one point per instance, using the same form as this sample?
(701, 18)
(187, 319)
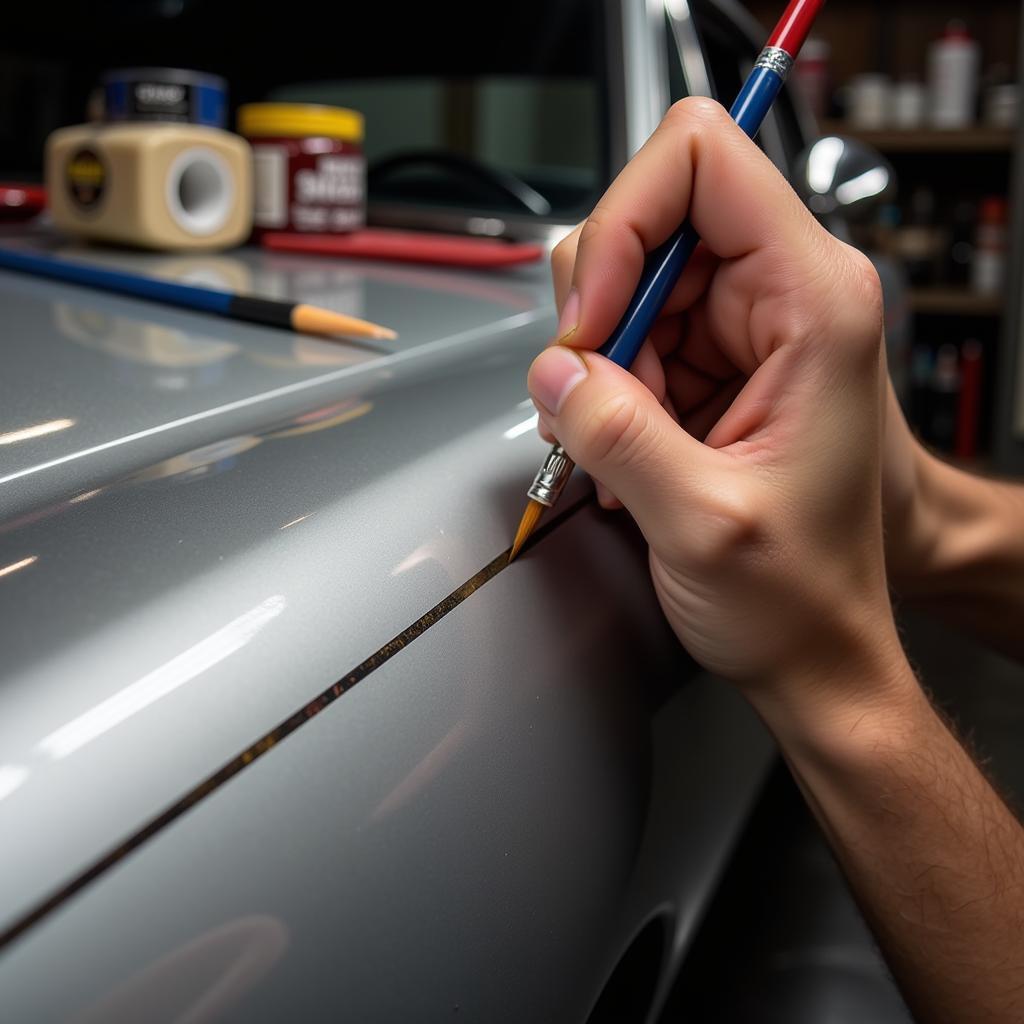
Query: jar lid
(299, 120)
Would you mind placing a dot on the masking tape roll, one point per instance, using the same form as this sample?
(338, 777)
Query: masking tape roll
(158, 186)
(200, 190)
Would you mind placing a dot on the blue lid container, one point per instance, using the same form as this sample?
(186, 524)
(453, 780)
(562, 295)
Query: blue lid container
(165, 94)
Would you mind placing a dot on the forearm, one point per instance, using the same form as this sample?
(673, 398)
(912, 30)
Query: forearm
(964, 554)
(935, 858)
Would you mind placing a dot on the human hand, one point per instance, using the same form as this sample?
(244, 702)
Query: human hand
(748, 444)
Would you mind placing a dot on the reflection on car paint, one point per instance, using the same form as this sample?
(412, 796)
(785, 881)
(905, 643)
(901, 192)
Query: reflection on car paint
(497, 291)
(11, 777)
(210, 459)
(139, 341)
(325, 418)
(200, 979)
(37, 430)
(530, 423)
(295, 522)
(22, 563)
(423, 351)
(205, 461)
(424, 772)
(266, 742)
(181, 669)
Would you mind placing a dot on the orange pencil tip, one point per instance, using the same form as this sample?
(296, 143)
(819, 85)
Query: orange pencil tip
(526, 526)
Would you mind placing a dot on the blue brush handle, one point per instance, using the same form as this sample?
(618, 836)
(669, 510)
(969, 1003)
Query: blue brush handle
(664, 264)
(171, 292)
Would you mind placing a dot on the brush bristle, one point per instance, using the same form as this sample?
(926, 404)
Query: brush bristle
(526, 526)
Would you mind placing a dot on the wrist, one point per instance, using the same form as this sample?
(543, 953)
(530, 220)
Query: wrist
(955, 531)
(817, 709)
(915, 531)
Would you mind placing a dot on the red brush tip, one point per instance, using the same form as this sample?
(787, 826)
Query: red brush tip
(793, 26)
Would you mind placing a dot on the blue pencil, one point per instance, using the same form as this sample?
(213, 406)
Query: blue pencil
(665, 264)
(296, 316)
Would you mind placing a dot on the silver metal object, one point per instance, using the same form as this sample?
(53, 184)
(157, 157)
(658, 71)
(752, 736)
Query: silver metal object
(552, 477)
(774, 58)
(843, 175)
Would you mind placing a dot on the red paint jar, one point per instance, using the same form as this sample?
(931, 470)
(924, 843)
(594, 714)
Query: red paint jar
(309, 173)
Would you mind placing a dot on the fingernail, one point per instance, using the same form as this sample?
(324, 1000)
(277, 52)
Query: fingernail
(555, 372)
(569, 320)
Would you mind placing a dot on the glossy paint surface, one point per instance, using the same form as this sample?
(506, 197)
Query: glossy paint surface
(477, 829)
(200, 597)
(108, 383)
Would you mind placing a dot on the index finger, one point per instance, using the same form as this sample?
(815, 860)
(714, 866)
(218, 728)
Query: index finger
(698, 163)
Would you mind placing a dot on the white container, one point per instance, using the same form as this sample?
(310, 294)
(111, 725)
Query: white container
(1001, 104)
(909, 104)
(953, 78)
(868, 99)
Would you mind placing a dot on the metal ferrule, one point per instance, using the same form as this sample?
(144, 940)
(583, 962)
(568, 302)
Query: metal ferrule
(774, 58)
(551, 478)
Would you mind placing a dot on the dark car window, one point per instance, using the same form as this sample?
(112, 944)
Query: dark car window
(522, 92)
(729, 55)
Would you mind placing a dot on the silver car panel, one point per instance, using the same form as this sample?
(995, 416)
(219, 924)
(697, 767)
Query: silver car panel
(127, 382)
(183, 589)
(482, 824)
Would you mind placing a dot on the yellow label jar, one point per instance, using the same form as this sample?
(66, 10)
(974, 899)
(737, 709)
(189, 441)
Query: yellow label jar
(308, 166)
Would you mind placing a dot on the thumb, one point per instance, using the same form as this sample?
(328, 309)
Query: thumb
(614, 428)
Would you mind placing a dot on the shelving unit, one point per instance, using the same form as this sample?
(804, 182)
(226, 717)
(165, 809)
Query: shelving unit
(927, 140)
(955, 301)
(957, 167)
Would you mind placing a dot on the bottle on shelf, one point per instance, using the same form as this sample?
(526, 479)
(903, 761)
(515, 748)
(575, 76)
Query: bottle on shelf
(953, 62)
(811, 73)
(988, 267)
(868, 99)
(909, 104)
(968, 412)
(1000, 97)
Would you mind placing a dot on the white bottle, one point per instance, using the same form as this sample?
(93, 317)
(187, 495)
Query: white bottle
(909, 103)
(953, 77)
(869, 98)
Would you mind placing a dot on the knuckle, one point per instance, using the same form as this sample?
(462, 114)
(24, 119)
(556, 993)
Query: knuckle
(695, 110)
(616, 430)
(733, 525)
(864, 300)
(865, 281)
(595, 224)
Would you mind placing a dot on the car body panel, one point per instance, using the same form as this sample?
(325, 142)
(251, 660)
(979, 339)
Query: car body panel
(175, 587)
(448, 838)
(136, 381)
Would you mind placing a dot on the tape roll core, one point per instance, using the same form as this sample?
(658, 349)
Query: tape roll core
(200, 191)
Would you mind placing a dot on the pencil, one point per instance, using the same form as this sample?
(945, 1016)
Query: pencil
(294, 316)
(664, 264)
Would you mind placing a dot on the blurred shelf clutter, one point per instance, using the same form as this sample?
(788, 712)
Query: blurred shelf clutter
(932, 86)
(977, 139)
